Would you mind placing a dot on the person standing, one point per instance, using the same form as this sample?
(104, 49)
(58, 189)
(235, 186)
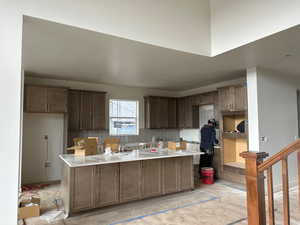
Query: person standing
(208, 140)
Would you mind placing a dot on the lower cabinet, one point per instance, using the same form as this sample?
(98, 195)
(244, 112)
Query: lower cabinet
(106, 185)
(151, 178)
(170, 175)
(186, 173)
(91, 187)
(130, 181)
(82, 185)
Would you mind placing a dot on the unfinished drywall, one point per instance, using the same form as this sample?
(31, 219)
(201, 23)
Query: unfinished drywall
(278, 117)
(235, 23)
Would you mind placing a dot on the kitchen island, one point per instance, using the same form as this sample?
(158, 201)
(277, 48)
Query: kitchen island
(96, 181)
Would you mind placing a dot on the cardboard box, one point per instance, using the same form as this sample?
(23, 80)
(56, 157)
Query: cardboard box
(181, 145)
(29, 208)
(84, 146)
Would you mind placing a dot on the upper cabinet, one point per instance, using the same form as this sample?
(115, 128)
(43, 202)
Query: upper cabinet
(233, 98)
(160, 112)
(87, 110)
(41, 99)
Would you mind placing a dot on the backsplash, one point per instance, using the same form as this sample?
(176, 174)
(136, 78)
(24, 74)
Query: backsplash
(145, 135)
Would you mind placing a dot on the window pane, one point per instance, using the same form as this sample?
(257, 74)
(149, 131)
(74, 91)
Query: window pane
(122, 108)
(123, 126)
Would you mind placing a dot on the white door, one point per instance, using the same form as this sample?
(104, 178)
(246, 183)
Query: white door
(40, 162)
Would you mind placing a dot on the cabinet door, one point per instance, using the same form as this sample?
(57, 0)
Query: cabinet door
(35, 99)
(82, 188)
(172, 113)
(226, 98)
(240, 98)
(163, 113)
(57, 99)
(196, 117)
(147, 112)
(130, 181)
(107, 185)
(74, 110)
(188, 113)
(170, 175)
(99, 103)
(181, 112)
(86, 110)
(151, 178)
(186, 173)
(207, 98)
(154, 110)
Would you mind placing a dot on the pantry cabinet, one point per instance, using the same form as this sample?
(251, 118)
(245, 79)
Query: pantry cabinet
(42, 99)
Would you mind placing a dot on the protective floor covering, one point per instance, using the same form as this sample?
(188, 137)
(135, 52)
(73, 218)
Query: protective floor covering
(223, 203)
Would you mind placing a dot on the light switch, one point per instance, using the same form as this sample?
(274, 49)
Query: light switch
(264, 139)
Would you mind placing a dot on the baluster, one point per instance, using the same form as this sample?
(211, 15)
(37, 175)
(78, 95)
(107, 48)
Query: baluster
(270, 196)
(285, 190)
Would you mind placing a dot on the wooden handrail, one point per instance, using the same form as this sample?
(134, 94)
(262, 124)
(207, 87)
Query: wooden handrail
(293, 147)
(255, 175)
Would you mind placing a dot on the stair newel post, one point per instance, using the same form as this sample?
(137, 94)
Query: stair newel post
(255, 188)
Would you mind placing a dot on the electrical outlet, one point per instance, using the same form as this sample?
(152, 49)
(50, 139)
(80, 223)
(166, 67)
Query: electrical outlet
(48, 164)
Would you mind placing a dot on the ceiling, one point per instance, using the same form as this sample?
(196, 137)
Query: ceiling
(58, 51)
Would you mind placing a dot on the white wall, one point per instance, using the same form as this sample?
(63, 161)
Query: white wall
(175, 24)
(10, 99)
(235, 22)
(253, 120)
(113, 92)
(278, 119)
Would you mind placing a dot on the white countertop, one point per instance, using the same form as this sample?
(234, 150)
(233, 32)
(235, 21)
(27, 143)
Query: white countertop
(78, 161)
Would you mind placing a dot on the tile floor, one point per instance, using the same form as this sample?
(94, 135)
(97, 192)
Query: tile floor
(223, 203)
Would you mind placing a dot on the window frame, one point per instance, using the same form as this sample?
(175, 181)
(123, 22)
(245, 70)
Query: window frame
(114, 117)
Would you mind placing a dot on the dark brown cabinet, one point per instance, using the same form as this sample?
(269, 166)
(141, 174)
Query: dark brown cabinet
(181, 112)
(185, 112)
(57, 99)
(106, 185)
(130, 181)
(42, 99)
(151, 178)
(82, 194)
(160, 112)
(172, 113)
(233, 98)
(87, 110)
(74, 110)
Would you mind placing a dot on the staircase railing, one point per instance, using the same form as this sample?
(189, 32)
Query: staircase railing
(255, 178)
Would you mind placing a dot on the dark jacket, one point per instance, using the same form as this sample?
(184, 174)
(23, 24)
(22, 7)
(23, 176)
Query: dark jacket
(208, 137)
